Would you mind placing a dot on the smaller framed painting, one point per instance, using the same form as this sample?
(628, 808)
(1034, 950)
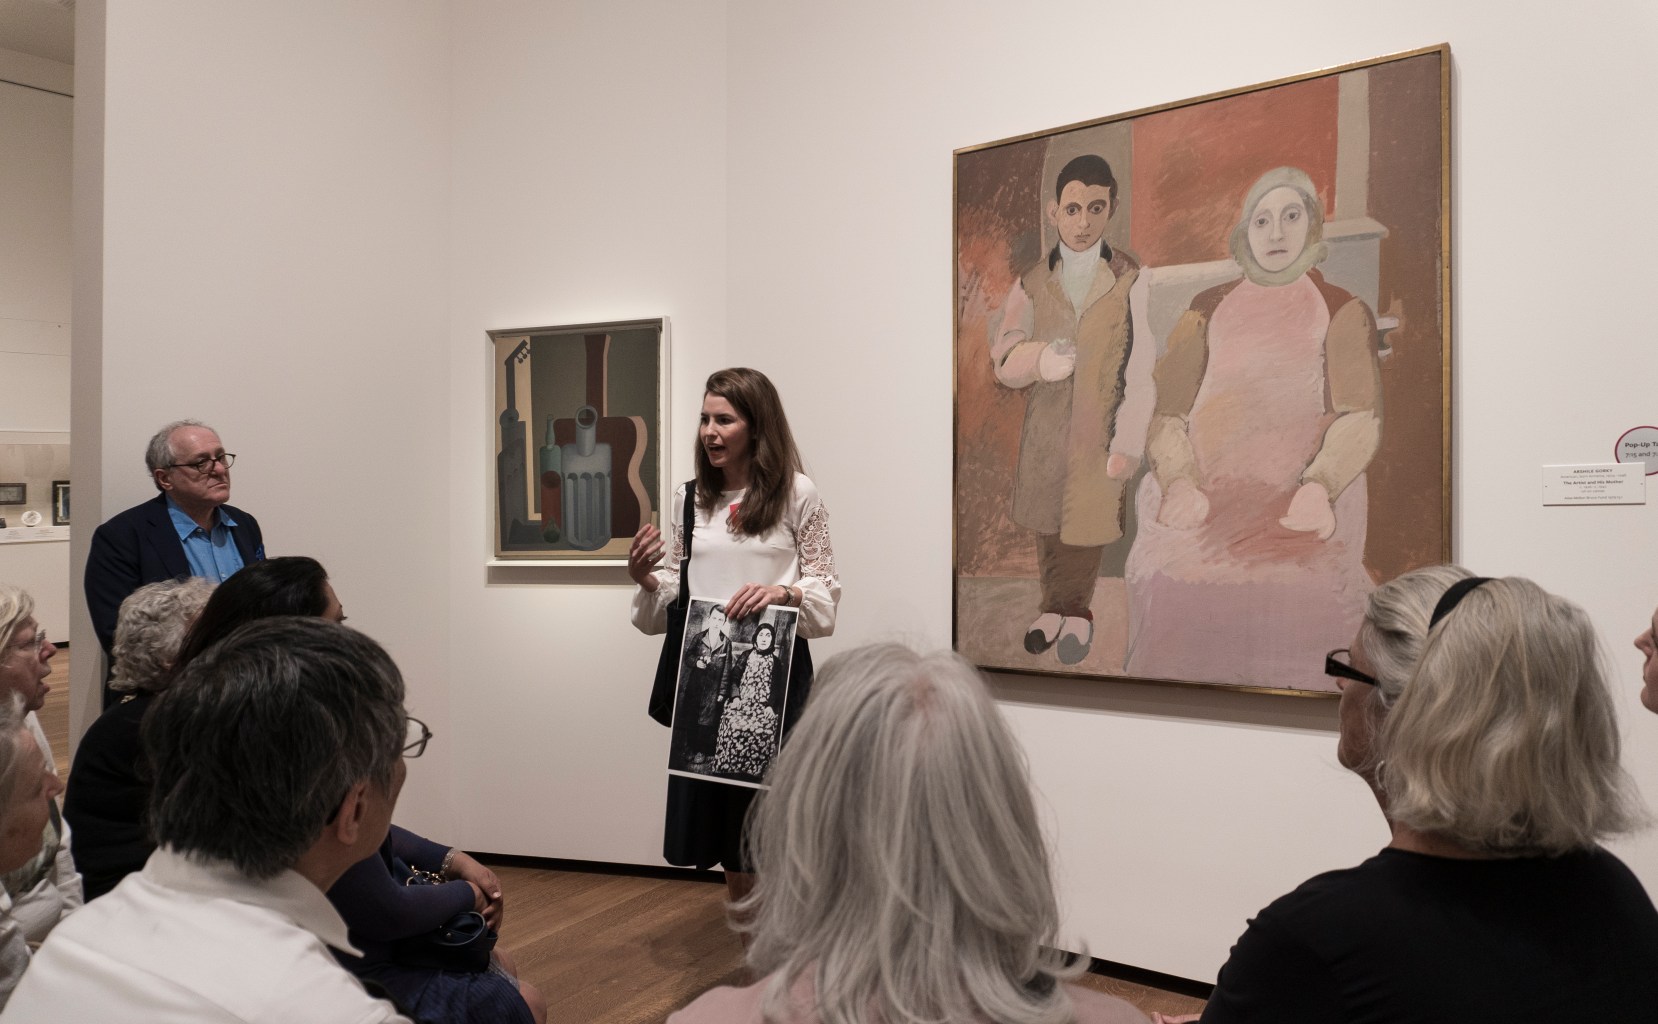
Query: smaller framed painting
(577, 439)
(60, 503)
(14, 494)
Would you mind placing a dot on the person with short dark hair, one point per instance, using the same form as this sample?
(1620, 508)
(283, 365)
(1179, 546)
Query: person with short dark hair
(277, 760)
(1066, 339)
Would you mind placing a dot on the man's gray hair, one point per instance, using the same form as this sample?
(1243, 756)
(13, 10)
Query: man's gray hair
(899, 860)
(149, 630)
(257, 742)
(159, 453)
(1494, 728)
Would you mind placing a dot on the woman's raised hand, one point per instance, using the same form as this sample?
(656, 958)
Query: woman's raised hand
(643, 554)
(752, 597)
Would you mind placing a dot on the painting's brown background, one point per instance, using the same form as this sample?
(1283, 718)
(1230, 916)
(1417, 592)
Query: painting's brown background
(1183, 182)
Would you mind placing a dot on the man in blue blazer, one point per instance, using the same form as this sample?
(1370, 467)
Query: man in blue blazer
(186, 530)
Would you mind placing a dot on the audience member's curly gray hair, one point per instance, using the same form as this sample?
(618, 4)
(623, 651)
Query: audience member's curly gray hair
(256, 742)
(15, 606)
(149, 630)
(158, 454)
(900, 863)
(12, 731)
(1494, 728)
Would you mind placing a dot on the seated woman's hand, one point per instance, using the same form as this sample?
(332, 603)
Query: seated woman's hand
(1184, 506)
(1310, 512)
(486, 887)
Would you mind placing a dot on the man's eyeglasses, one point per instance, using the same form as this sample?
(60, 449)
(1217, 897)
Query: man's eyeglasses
(204, 465)
(37, 642)
(1342, 667)
(416, 738)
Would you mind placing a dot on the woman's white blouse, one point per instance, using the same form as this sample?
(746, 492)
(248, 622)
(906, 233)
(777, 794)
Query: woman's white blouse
(796, 552)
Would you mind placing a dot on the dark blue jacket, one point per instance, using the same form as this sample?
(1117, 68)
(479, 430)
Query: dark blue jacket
(141, 546)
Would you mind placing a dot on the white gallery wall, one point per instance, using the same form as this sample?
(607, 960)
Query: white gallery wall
(35, 275)
(313, 212)
(275, 181)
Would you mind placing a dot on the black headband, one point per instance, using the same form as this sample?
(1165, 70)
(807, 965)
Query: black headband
(1454, 596)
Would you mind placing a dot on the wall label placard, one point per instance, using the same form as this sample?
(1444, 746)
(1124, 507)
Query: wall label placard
(1608, 484)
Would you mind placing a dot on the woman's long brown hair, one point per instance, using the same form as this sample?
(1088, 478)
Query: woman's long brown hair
(773, 458)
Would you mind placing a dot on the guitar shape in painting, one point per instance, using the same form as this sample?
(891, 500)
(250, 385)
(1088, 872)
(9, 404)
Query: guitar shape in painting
(512, 494)
(630, 504)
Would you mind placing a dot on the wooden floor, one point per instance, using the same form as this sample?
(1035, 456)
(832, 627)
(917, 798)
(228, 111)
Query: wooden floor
(611, 945)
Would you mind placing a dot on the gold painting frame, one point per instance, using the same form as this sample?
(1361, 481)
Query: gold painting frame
(1078, 441)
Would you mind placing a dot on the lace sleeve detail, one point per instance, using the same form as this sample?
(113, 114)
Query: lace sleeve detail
(667, 572)
(817, 554)
(819, 584)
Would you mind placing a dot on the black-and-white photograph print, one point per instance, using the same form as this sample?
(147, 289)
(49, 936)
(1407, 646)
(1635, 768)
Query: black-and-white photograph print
(733, 677)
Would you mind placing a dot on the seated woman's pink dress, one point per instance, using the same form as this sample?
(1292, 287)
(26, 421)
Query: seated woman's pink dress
(1242, 599)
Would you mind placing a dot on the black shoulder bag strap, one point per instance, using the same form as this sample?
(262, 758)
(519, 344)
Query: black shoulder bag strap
(667, 663)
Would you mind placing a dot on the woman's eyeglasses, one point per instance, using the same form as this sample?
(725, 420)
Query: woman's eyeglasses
(37, 642)
(1339, 663)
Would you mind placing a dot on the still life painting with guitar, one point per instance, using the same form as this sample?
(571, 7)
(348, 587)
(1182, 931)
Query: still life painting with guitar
(577, 441)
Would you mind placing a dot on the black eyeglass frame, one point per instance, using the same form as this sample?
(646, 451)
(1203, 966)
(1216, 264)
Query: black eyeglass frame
(204, 465)
(418, 747)
(1342, 670)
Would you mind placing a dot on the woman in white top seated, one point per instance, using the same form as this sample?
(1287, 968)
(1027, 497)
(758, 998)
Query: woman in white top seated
(902, 876)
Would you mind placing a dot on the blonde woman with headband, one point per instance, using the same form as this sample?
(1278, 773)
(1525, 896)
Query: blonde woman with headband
(1476, 712)
(902, 875)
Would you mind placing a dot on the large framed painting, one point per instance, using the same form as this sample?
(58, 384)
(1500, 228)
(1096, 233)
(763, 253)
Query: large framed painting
(577, 441)
(1202, 359)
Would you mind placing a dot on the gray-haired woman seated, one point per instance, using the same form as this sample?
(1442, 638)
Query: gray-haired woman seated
(107, 795)
(902, 876)
(1476, 711)
(28, 785)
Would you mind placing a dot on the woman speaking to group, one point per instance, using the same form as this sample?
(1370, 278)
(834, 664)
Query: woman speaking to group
(760, 535)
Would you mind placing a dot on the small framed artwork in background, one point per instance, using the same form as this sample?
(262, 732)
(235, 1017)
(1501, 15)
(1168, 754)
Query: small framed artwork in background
(578, 429)
(60, 503)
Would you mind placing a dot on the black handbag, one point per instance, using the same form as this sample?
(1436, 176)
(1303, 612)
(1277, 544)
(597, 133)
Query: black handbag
(462, 944)
(661, 706)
